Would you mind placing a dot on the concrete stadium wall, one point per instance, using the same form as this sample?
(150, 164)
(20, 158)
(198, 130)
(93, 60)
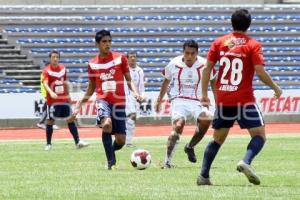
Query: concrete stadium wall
(129, 2)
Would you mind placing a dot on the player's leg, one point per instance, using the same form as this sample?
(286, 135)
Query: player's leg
(65, 112)
(203, 118)
(178, 117)
(251, 118)
(118, 128)
(211, 151)
(49, 128)
(223, 121)
(41, 123)
(74, 131)
(49, 132)
(105, 122)
(173, 141)
(131, 110)
(130, 128)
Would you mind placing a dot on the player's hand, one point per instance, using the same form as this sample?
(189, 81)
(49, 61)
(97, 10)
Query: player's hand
(157, 106)
(75, 111)
(205, 101)
(137, 97)
(277, 92)
(141, 99)
(53, 95)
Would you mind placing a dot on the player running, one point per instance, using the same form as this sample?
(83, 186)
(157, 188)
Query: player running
(239, 57)
(106, 76)
(185, 74)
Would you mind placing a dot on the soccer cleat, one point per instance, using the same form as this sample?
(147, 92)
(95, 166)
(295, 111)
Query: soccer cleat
(248, 171)
(203, 181)
(81, 144)
(191, 154)
(48, 147)
(167, 166)
(42, 126)
(55, 127)
(111, 165)
(130, 145)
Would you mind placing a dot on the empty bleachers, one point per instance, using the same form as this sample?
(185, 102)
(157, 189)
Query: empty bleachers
(155, 32)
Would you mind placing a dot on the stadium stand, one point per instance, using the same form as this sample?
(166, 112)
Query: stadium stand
(155, 32)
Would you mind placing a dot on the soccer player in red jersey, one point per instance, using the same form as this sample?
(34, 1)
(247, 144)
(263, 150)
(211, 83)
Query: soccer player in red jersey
(58, 99)
(239, 57)
(106, 76)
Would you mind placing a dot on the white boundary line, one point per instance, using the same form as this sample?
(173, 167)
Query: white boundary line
(67, 140)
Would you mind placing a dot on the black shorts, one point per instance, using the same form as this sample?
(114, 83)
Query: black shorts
(115, 112)
(247, 116)
(59, 111)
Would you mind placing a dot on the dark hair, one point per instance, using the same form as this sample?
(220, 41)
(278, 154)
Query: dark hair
(101, 34)
(191, 44)
(54, 51)
(240, 20)
(131, 52)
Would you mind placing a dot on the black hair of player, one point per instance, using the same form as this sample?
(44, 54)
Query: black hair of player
(54, 52)
(131, 52)
(241, 20)
(191, 44)
(100, 34)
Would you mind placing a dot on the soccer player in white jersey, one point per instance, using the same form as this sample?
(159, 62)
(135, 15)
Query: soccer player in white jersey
(185, 73)
(132, 105)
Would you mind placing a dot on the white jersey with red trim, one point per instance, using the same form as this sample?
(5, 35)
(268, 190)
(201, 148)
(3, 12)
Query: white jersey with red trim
(137, 75)
(185, 81)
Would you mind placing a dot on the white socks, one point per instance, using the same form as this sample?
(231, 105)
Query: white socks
(130, 128)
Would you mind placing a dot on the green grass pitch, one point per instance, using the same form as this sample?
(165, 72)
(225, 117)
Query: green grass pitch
(28, 172)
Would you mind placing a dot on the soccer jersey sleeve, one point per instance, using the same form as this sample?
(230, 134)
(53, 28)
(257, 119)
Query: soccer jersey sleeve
(124, 65)
(141, 85)
(167, 71)
(212, 54)
(257, 55)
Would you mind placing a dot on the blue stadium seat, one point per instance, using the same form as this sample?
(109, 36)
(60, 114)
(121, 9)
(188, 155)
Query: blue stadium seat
(17, 90)
(146, 29)
(9, 81)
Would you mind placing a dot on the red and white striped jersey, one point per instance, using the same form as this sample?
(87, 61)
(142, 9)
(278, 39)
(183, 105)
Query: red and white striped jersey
(185, 81)
(56, 76)
(108, 74)
(237, 54)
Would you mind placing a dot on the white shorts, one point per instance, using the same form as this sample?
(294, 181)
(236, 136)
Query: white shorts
(132, 106)
(186, 108)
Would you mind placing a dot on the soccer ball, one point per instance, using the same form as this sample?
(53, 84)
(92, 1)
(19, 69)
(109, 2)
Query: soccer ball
(140, 159)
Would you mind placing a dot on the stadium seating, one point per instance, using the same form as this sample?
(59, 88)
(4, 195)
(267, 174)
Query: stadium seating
(157, 35)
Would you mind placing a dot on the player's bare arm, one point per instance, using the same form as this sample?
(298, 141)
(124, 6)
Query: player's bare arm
(204, 82)
(213, 87)
(51, 93)
(89, 92)
(162, 92)
(67, 88)
(132, 87)
(266, 79)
